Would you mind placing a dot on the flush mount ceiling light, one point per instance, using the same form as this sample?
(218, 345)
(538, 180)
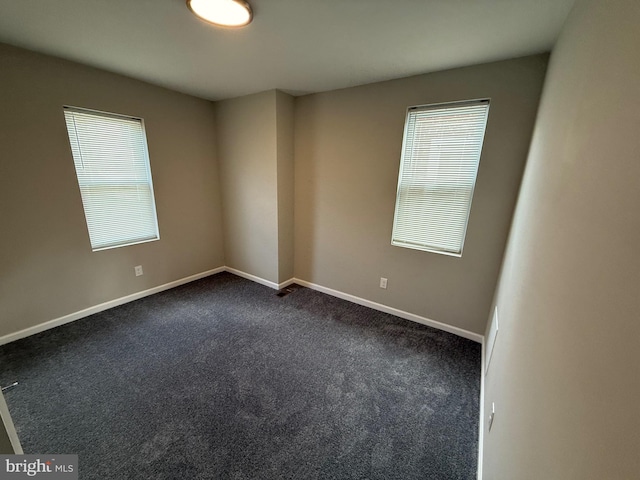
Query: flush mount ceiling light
(224, 13)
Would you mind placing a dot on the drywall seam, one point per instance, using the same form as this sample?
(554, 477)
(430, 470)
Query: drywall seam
(56, 322)
(393, 311)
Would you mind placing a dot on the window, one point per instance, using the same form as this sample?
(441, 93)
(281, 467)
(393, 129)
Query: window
(112, 165)
(440, 156)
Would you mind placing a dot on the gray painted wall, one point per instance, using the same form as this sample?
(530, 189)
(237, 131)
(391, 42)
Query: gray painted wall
(247, 150)
(347, 150)
(47, 268)
(565, 373)
(347, 153)
(255, 149)
(285, 134)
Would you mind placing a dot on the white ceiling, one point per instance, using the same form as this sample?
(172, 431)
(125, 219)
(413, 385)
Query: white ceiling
(299, 46)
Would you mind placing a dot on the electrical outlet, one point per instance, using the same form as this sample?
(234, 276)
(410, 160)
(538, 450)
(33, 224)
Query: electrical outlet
(383, 282)
(138, 270)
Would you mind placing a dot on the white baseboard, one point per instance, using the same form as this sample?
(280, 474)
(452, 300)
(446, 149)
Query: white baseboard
(260, 280)
(276, 286)
(286, 283)
(393, 311)
(361, 301)
(103, 306)
(481, 423)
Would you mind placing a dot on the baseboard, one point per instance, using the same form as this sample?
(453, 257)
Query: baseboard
(260, 280)
(286, 283)
(393, 311)
(481, 422)
(361, 301)
(103, 306)
(276, 286)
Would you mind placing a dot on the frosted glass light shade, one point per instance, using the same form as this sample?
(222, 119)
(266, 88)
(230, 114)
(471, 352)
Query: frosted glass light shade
(224, 13)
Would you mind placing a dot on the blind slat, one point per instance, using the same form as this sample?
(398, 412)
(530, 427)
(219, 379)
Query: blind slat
(112, 166)
(440, 156)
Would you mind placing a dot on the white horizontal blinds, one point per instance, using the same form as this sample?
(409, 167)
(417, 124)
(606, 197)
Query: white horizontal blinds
(441, 152)
(112, 165)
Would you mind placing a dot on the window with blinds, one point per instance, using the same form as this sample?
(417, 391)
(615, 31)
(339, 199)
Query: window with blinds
(112, 166)
(440, 156)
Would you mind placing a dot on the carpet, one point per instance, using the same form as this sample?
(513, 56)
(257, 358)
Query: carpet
(223, 379)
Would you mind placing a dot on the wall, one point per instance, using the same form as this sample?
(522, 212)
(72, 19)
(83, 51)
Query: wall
(246, 129)
(347, 154)
(47, 268)
(255, 149)
(565, 373)
(285, 166)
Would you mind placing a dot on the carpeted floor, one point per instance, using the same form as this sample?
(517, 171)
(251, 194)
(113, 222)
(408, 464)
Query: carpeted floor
(223, 379)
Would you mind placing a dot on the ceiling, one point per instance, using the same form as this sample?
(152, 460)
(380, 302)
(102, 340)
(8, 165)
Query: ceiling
(299, 46)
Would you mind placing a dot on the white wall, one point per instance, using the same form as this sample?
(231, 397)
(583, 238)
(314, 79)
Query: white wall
(565, 375)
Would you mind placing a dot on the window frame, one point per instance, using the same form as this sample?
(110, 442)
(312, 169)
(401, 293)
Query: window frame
(147, 162)
(403, 164)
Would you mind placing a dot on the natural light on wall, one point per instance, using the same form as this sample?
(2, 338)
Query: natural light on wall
(440, 156)
(112, 165)
(224, 13)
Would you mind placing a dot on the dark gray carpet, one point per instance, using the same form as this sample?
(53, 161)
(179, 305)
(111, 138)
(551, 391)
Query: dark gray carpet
(223, 379)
